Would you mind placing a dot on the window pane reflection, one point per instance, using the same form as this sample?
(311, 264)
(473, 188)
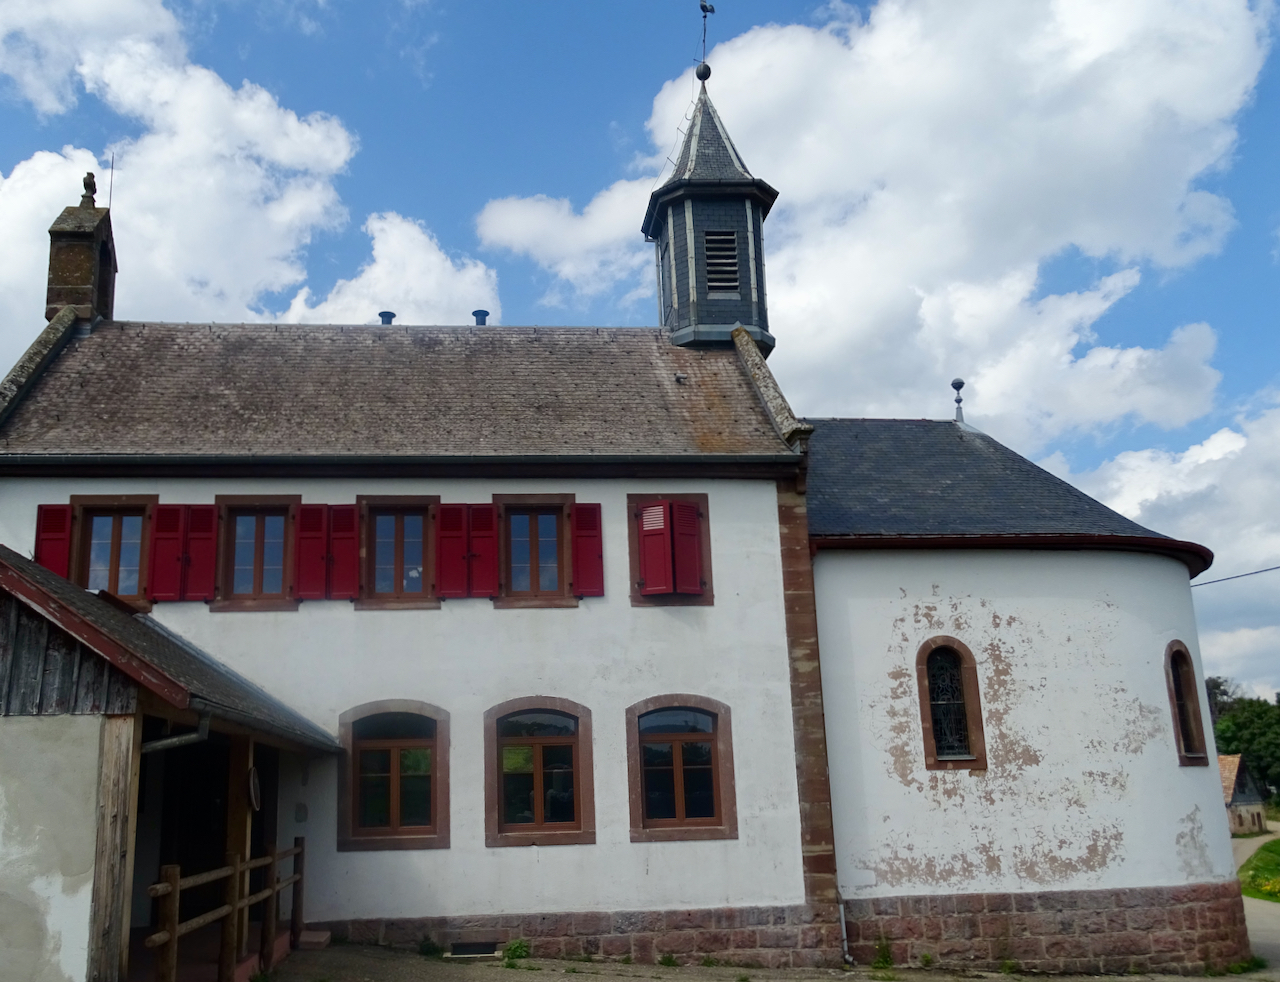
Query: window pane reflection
(100, 553)
(246, 531)
(384, 554)
(375, 788)
(548, 563)
(521, 573)
(130, 555)
(412, 554)
(273, 554)
(557, 783)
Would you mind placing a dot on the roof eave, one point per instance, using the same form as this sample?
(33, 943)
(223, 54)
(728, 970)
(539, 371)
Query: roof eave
(683, 187)
(1195, 557)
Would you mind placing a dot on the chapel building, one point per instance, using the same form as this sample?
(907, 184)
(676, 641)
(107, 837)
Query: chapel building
(576, 636)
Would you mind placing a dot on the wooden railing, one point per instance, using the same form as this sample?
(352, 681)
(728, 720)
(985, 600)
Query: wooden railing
(169, 891)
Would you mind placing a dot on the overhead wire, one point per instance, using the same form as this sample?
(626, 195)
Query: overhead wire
(1238, 576)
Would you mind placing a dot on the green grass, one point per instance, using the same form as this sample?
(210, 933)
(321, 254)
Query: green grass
(1260, 875)
(884, 955)
(668, 960)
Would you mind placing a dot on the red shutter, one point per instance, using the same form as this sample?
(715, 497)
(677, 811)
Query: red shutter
(484, 550)
(164, 577)
(53, 538)
(655, 547)
(344, 552)
(687, 546)
(588, 552)
(451, 550)
(311, 565)
(201, 551)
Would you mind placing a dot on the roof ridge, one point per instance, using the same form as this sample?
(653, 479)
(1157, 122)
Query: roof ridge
(38, 356)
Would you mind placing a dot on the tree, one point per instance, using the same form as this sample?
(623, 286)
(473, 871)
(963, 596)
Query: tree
(1251, 727)
(1223, 693)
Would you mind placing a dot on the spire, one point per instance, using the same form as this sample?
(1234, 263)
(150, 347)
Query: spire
(705, 222)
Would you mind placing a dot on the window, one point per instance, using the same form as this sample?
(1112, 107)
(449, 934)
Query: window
(722, 263)
(538, 780)
(534, 567)
(100, 542)
(680, 762)
(113, 552)
(393, 789)
(257, 559)
(950, 706)
(670, 545)
(399, 548)
(1184, 700)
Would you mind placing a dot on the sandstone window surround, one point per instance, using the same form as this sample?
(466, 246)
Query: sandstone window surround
(950, 706)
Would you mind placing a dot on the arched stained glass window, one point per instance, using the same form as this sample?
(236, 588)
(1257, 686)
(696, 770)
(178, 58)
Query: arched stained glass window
(950, 706)
(946, 704)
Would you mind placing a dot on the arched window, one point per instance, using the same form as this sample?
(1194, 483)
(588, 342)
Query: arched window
(538, 773)
(680, 759)
(1184, 700)
(393, 788)
(950, 706)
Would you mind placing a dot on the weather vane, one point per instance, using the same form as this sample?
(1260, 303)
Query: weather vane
(706, 9)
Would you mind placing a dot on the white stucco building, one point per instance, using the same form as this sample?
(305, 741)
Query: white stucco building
(578, 635)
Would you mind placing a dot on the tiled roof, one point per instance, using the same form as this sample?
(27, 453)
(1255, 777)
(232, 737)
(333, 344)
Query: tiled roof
(228, 695)
(1228, 767)
(465, 392)
(905, 478)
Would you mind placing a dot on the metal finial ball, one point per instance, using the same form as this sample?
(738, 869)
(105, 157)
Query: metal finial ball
(703, 72)
(957, 384)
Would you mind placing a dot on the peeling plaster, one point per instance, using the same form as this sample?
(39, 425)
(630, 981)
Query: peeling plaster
(1193, 850)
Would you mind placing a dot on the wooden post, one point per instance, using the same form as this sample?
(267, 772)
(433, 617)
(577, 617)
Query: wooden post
(231, 895)
(167, 955)
(270, 913)
(239, 819)
(112, 873)
(297, 924)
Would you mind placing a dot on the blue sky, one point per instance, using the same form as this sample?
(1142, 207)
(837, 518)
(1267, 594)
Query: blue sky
(1073, 206)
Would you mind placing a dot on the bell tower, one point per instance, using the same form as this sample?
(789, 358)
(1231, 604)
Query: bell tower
(705, 223)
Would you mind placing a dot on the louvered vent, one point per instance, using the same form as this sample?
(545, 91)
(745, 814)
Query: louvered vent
(722, 262)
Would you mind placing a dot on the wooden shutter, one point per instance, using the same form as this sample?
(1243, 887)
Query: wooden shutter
(654, 518)
(164, 577)
(344, 552)
(451, 550)
(484, 550)
(53, 538)
(201, 552)
(686, 542)
(588, 551)
(311, 550)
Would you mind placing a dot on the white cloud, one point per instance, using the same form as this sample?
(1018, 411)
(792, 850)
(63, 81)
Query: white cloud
(409, 267)
(930, 159)
(216, 199)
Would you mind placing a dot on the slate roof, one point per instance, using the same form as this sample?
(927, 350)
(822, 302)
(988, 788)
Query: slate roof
(708, 154)
(905, 478)
(225, 694)
(458, 392)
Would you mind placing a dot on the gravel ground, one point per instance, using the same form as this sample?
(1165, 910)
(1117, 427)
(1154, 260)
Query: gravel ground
(366, 963)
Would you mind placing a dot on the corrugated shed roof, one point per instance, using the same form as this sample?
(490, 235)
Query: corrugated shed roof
(1228, 768)
(173, 656)
(179, 389)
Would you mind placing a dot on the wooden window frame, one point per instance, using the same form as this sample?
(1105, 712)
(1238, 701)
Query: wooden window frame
(584, 785)
(726, 823)
(83, 505)
(350, 839)
(1191, 688)
(516, 503)
(368, 506)
(977, 761)
(232, 504)
(707, 597)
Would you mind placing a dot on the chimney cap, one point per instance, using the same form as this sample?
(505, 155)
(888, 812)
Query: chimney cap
(481, 316)
(386, 316)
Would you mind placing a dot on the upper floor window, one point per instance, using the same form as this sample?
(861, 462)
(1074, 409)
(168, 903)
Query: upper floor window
(538, 780)
(1184, 700)
(100, 542)
(257, 565)
(399, 553)
(680, 757)
(670, 550)
(950, 707)
(114, 552)
(534, 553)
(393, 790)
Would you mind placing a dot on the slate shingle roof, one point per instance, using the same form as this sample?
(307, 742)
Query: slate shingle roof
(180, 389)
(230, 695)
(905, 478)
(708, 154)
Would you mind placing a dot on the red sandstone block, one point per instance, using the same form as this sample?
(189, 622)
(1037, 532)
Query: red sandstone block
(779, 937)
(642, 949)
(1116, 965)
(1175, 917)
(932, 927)
(676, 942)
(961, 927)
(896, 928)
(1018, 925)
(573, 948)
(1056, 900)
(1025, 949)
(637, 922)
(856, 910)
(547, 925)
(886, 906)
(970, 903)
(764, 916)
(1147, 919)
(1042, 923)
(615, 945)
(708, 941)
(1025, 902)
(817, 958)
(546, 947)
(1126, 943)
(725, 918)
(591, 946)
(956, 950)
(1066, 947)
(685, 920)
(994, 925)
(862, 954)
(743, 938)
(591, 922)
(1165, 942)
(999, 903)
(364, 932)
(773, 958)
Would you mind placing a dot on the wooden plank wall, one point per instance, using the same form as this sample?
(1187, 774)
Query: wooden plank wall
(46, 672)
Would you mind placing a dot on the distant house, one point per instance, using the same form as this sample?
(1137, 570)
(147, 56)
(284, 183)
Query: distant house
(1242, 796)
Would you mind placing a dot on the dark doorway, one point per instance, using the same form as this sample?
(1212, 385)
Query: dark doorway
(194, 826)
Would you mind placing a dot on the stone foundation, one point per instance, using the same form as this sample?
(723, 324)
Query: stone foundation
(1178, 930)
(802, 936)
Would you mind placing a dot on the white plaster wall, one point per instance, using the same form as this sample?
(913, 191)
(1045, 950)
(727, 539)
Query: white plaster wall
(467, 657)
(48, 829)
(1083, 790)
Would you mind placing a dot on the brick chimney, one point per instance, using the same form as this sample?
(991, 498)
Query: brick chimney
(82, 260)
